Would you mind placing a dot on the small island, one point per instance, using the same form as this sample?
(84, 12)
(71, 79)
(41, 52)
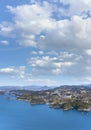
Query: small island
(64, 97)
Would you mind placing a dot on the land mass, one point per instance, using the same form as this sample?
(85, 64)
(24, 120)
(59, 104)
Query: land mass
(64, 97)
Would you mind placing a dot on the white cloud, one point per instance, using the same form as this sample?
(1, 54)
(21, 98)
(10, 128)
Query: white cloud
(68, 37)
(37, 52)
(41, 52)
(40, 81)
(5, 29)
(34, 52)
(9, 70)
(34, 26)
(4, 42)
(46, 65)
(80, 7)
(30, 21)
(88, 51)
(53, 53)
(87, 80)
(62, 64)
(13, 71)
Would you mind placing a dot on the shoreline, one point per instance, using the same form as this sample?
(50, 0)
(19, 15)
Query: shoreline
(55, 107)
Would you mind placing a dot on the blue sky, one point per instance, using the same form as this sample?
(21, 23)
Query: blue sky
(45, 42)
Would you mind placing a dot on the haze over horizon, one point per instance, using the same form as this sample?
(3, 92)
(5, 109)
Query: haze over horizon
(45, 42)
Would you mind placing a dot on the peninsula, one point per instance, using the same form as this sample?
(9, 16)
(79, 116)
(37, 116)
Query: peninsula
(64, 97)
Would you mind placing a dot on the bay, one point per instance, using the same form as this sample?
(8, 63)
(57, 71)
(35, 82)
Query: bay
(21, 115)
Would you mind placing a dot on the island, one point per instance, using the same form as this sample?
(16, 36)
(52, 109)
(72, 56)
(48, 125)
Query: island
(2, 92)
(64, 97)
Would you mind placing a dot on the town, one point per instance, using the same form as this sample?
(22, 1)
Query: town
(64, 97)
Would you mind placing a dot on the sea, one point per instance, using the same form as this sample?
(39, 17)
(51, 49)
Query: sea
(21, 115)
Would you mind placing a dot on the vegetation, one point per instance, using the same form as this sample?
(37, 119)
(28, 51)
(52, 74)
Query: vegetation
(71, 104)
(61, 98)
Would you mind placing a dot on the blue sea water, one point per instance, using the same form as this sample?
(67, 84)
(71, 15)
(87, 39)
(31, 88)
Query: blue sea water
(21, 115)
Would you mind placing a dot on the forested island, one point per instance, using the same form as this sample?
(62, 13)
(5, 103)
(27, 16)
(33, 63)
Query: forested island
(64, 97)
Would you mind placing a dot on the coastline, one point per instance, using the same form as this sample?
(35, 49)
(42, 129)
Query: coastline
(66, 97)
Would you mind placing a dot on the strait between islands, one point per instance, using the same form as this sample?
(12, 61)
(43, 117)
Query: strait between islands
(64, 97)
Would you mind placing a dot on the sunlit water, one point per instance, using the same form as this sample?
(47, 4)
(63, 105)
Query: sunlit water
(20, 115)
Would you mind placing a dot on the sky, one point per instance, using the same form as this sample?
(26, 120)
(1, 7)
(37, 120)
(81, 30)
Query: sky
(45, 42)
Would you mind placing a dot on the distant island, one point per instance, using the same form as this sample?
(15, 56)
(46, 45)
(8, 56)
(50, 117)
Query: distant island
(64, 97)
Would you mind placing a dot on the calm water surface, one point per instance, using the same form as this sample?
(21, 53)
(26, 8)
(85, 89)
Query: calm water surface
(20, 115)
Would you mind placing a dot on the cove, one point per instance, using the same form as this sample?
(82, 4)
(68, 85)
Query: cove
(21, 115)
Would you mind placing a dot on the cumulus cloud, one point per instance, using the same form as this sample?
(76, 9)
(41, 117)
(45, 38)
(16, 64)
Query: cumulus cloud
(80, 7)
(47, 65)
(88, 51)
(30, 21)
(34, 25)
(13, 71)
(40, 81)
(4, 42)
(6, 29)
(7, 70)
(37, 52)
(61, 64)
(61, 26)
(69, 35)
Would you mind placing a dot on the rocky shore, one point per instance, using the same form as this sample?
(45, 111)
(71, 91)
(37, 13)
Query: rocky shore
(64, 97)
